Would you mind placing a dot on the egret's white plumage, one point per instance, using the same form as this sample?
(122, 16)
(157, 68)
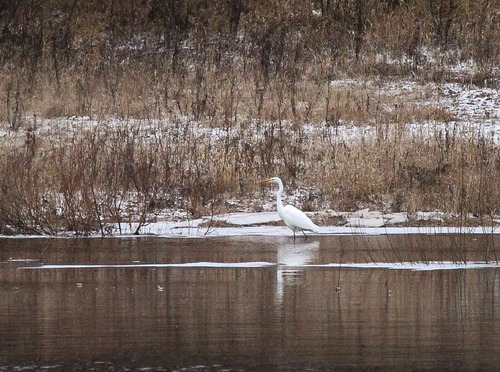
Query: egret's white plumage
(294, 218)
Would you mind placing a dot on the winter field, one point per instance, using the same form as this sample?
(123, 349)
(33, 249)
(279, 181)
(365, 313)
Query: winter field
(473, 116)
(162, 117)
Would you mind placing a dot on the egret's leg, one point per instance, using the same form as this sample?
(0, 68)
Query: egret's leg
(293, 235)
(303, 232)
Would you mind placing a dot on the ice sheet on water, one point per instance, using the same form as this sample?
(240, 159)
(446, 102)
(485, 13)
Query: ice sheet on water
(413, 266)
(358, 225)
(157, 265)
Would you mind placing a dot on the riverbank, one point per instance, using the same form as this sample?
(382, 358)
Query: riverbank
(83, 175)
(362, 222)
(138, 121)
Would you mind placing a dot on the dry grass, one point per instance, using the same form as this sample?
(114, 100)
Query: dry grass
(136, 169)
(271, 78)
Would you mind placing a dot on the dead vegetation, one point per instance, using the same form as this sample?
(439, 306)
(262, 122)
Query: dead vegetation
(192, 101)
(135, 170)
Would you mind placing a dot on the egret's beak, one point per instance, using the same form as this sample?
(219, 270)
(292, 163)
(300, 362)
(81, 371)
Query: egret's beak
(267, 180)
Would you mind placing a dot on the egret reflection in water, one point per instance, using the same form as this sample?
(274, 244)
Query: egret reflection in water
(291, 257)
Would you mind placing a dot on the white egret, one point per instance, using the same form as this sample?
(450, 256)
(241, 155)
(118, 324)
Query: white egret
(294, 218)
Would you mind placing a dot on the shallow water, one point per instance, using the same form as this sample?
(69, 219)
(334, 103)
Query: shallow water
(260, 303)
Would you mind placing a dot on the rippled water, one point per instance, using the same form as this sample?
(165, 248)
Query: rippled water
(259, 303)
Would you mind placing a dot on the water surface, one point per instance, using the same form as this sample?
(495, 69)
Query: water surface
(259, 303)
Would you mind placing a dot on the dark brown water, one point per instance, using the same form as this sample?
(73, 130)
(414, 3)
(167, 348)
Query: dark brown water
(283, 315)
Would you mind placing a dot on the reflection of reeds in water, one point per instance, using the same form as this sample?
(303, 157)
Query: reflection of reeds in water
(457, 247)
(231, 314)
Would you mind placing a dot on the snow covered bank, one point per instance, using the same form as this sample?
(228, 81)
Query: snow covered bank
(363, 222)
(268, 223)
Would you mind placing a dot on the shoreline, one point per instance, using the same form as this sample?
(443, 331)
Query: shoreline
(268, 224)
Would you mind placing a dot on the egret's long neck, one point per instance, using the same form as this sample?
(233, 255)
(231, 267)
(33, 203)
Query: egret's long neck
(279, 203)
